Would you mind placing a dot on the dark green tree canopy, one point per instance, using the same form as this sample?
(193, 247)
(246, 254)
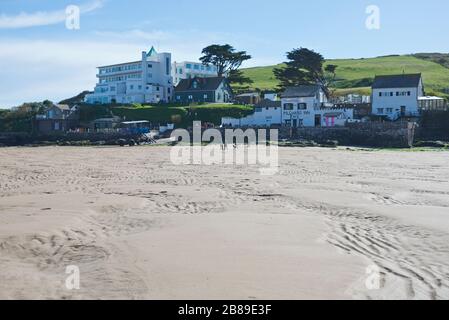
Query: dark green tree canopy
(303, 67)
(226, 59)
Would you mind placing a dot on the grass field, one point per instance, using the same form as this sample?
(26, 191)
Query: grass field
(356, 75)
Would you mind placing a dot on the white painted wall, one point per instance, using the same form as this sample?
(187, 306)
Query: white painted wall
(387, 105)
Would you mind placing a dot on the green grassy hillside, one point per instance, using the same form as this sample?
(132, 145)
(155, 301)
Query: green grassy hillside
(356, 75)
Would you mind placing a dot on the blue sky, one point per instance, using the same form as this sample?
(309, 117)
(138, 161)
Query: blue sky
(40, 58)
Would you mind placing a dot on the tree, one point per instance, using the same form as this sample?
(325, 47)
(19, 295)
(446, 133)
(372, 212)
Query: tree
(227, 60)
(237, 76)
(304, 67)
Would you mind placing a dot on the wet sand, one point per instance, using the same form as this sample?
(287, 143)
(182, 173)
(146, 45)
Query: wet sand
(140, 227)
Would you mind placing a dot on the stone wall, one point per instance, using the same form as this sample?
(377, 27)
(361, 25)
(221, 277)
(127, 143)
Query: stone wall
(370, 134)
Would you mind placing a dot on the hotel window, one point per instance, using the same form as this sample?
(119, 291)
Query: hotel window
(188, 66)
(167, 66)
(196, 67)
(150, 66)
(302, 106)
(180, 70)
(288, 106)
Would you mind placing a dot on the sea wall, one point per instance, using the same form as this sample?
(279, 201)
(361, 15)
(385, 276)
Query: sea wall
(370, 134)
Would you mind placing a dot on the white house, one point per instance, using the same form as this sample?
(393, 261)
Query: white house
(396, 96)
(302, 106)
(146, 81)
(307, 106)
(187, 70)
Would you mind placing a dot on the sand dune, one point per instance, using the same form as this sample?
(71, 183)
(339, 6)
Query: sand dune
(139, 227)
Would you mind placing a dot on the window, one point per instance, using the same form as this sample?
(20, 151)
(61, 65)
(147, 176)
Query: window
(302, 106)
(288, 106)
(169, 90)
(178, 97)
(389, 110)
(131, 87)
(205, 97)
(409, 93)
(196, 67)
(380, 110)
(180, 71)
(167, 66)
(140, 87)
(380, 94)
(188, 66)
(157, 88)
(190, 97)
(150, 66)
(112, 88)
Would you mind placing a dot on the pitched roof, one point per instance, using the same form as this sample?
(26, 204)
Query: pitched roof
(203, 84)
(269, 104)
(397, 81)
(151, 52)
(249, 94)
(301, 91)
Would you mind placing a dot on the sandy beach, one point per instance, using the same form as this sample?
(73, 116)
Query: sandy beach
(140, 227)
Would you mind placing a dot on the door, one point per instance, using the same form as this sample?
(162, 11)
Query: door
(403, 110)
(295, 123)
(318, 120)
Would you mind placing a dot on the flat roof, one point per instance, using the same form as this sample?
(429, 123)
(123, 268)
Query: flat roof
(120, 64)
(430, 98)
(136, 122)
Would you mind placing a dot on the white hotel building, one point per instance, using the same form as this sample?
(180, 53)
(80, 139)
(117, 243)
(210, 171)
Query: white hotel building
(189, 70)
(146, 81)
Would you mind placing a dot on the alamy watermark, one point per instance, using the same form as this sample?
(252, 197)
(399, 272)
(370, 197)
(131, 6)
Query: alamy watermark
(73, 17)
(237, 147)
(374, 279)
(72, 282)
(373, 20)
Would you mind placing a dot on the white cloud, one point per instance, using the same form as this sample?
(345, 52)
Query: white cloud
(43, 18)
(136, 34)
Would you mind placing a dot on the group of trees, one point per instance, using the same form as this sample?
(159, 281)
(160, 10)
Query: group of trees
(303, 67)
